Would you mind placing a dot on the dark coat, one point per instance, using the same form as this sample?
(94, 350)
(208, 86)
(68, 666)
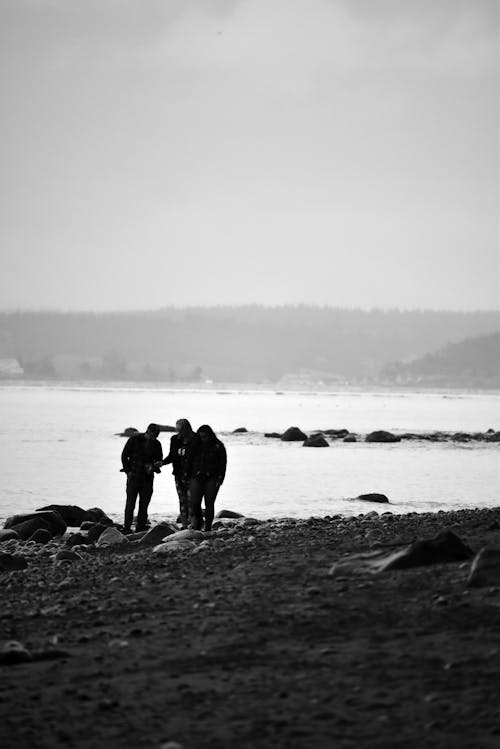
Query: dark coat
(139, 455)
(179, 452)
(207, 460)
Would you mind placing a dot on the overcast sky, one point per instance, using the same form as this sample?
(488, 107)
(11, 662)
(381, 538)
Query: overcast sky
(159, 152)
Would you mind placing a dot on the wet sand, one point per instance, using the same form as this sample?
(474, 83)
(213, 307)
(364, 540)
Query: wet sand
(252, 643)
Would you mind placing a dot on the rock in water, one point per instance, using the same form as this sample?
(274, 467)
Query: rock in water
(337, 433)
(485, 569)
(7, 535)
(228, 514)
(14, 652)
(293, 434)
(128, 432)
(111, 537)
(382, 436)
(240, 430)
(12, 562)
(41, 536)
(445, 547)
(28, 523)
(71, 514)
(350, 438)
(96, 515)
(374, 497)
(273, 435)
(315, 440)
(157, 533)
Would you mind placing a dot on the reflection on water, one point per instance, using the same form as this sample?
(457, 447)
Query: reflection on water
(58, 445)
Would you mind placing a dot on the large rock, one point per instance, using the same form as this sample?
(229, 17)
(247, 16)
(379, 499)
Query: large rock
(8, 535)
(96, 515)
(293, 434)
(382, 436)
(78, 539)
(41, 536)
(315, 440)
(94, 531)
(228, 514)
(128, 432)
(485, 569)
(445, 547)
(28, 523)
(373, 497)
(336, 433)
(157, 533)
(350, 438)
(187, 534)
(11, 562)
(111, 537)
(72, 515)
(181, 544)
(240, 430)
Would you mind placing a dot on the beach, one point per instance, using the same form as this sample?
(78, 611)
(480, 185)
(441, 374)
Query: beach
(251, 641)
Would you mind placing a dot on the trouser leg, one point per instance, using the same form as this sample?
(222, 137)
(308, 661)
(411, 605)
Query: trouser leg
(211, 489)
(132, 491)
(182, 493)
(145, 494)
(195, 497)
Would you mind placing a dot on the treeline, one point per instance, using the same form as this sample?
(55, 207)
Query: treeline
(475, 360)
(232, 343)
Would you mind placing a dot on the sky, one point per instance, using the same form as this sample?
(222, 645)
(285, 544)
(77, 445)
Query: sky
(185, 152)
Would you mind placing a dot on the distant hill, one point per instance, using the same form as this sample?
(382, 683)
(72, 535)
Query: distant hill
(473, 361)
(231, 344)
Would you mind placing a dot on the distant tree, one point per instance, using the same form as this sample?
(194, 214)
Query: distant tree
(114, 365)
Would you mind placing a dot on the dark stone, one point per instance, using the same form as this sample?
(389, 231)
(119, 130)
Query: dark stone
(128, 432)
(95, 531)
(65, 555)
(41, 536)
(273, 435)
(350, 438)
(77, 539)
(493, 436)
(445, 547)
(485, 569)
(71, 514)
(157, 533)
(96, 515)
(86, 525)
(240, 430)
(27, 524)
(315, 440)
(12, 562)
(293, 434)
(374, 497)
(7, 535)
(13, 652)
(228, 514)
(382, 436)
(339, 433)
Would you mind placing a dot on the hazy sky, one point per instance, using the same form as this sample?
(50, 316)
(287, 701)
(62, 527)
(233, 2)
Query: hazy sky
(159, 152)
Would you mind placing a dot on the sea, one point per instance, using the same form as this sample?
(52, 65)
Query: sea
(59, 444)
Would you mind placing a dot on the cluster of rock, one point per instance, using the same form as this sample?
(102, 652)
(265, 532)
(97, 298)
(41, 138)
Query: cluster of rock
(319, 437)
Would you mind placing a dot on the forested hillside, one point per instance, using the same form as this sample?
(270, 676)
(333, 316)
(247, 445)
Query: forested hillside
(251, 343)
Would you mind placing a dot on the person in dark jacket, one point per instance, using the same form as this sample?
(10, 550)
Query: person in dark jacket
(206, 470)
(180, 445)
(139, 458)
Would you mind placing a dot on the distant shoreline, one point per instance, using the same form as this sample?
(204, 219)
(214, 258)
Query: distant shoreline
(224, 388)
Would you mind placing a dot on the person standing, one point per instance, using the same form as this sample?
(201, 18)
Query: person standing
(181, 444)
(205, 469)
(139, 458)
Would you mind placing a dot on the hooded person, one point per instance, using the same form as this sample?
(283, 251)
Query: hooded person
(205, 471)
(181, 444)
(140, 457)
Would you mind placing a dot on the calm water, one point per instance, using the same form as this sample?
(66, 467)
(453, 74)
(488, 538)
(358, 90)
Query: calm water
(57, 444)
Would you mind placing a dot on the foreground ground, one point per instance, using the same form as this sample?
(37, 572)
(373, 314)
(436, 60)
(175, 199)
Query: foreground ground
(253, 644)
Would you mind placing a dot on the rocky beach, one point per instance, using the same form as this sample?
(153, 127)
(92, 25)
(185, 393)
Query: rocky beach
(327, 631)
